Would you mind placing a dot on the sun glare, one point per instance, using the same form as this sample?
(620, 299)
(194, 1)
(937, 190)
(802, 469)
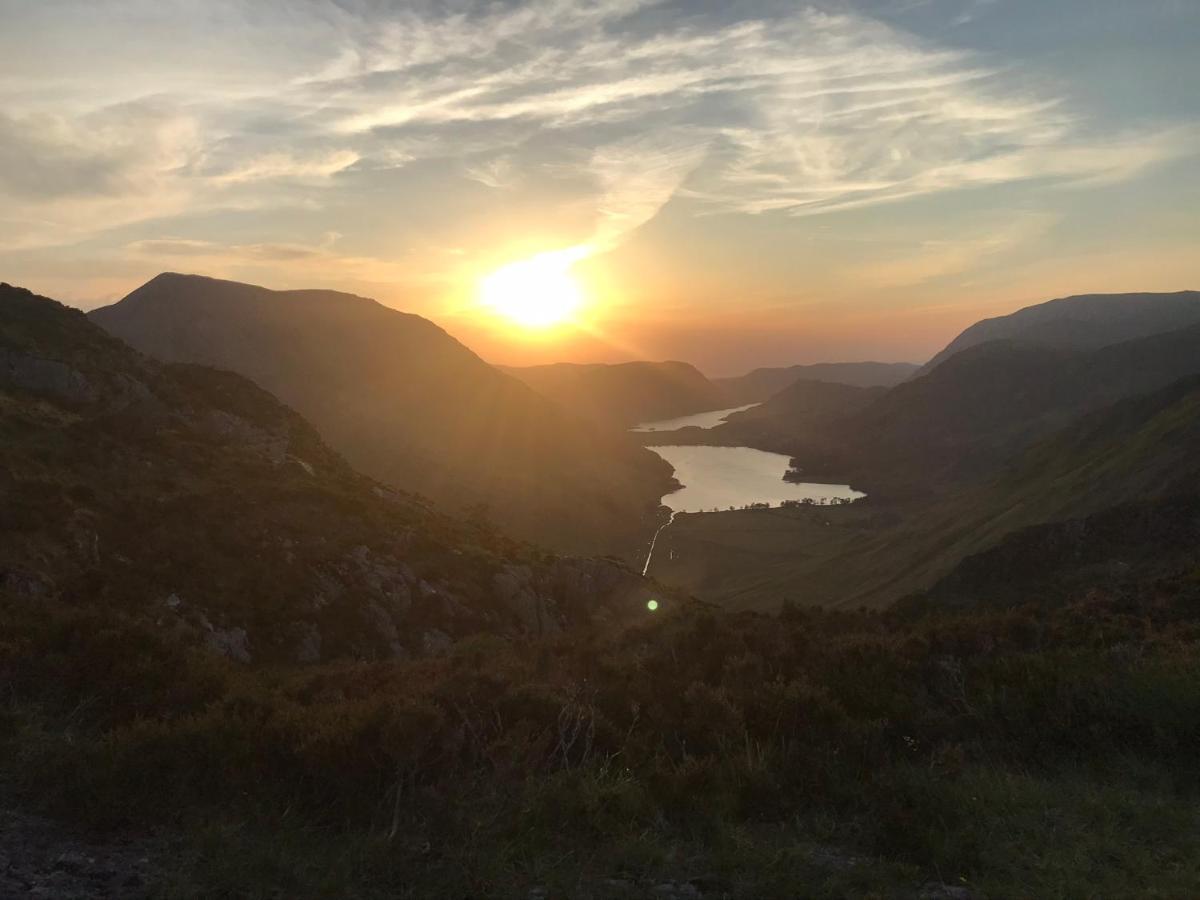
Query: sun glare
(538, 292)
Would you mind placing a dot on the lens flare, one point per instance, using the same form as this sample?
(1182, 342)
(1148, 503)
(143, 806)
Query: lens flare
(652, 605)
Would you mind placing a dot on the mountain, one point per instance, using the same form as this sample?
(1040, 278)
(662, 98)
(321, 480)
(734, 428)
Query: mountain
(1142, 449)
(1124, 547)
(799, 411)
(967, 418)
(626, 393)
(985, 404)
(191, 500)
(408, 404)
(1084, 322)
(762, 383)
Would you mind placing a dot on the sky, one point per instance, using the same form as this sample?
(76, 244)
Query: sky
(751, 182)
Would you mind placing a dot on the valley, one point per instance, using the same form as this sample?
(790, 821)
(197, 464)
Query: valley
(623, 450)
(349, 666)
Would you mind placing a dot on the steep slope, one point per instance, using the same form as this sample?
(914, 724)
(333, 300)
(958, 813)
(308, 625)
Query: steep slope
(760, 384)
(790, 418)
(992, 400)
(408, 404)
(191, 500)
(978, 410)
(626, 393)
(1142, 449)
(1085, 322)
(802, 408)
(1126, 547)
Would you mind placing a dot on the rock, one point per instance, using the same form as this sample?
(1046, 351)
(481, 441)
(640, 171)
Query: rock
(518, 594)
(308, 643)
(24, 585)
(45, 376)
(173, 601)
(381, 622)
(235, 429)
(434, 642)
(233, 643)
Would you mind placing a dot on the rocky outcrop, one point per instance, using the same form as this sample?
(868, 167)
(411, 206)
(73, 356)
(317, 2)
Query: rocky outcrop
(194, 501)
(232, 643)
(44, 376)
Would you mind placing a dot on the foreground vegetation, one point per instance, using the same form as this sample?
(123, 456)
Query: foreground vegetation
(1042, 749)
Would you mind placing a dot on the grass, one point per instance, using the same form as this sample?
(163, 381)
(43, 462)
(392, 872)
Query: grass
(1045, 750)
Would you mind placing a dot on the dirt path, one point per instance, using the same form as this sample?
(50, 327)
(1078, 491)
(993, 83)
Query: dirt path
(39, 858)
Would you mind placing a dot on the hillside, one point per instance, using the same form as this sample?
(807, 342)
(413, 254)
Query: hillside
(1143, 448)
(1120, 548)
(985, 404)
(803, 408)
(408, 404)
(624, 394)
(969, 417)
(1084, 322)
(760, 384)
(235, 667)
(191, 501)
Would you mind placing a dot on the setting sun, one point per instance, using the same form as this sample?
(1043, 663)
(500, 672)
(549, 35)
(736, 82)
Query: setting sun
(538, 292)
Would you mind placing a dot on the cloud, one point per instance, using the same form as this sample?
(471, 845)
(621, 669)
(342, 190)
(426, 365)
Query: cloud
(184, 247)
(287, 166)
(950, 254)
(112, 151)
(789, 110)
(799, 113)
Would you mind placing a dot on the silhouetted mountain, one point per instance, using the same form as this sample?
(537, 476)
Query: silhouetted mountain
(1119, 483)
(191, 500)
(407, 403)
(982, 406)
(1085, 322)
(626, 393)
(796, 413)
(1143, 449)
(762, 383)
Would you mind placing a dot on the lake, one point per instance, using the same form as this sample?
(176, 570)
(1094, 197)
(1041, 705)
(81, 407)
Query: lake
(710, 419)
(721, 477)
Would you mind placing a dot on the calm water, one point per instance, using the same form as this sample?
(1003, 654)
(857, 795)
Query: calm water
(721, 477)
(710, 419)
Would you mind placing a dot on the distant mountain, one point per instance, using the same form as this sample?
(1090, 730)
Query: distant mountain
(191, 501)
(985, 404)
(408, 404)
(626, 393)
(1085, 322)
(762, 383)
(1144, 449)
(1142, 453)
(799, 411)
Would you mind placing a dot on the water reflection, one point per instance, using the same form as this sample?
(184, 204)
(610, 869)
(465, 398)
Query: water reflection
(721, 477)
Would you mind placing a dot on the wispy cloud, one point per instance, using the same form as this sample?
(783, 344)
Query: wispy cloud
(791, 111)
(798, 113)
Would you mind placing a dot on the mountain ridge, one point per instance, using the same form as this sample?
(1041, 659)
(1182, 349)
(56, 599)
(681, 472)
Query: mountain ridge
(409, 404)
(190, 500)
(1081, 321)
(624, 394)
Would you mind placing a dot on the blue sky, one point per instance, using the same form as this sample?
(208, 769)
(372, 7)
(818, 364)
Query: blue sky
(760, 182)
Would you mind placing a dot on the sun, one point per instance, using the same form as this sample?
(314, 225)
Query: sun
(536, 293)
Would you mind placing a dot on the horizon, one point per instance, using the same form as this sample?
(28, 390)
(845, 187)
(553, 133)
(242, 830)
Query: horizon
(765, 186)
